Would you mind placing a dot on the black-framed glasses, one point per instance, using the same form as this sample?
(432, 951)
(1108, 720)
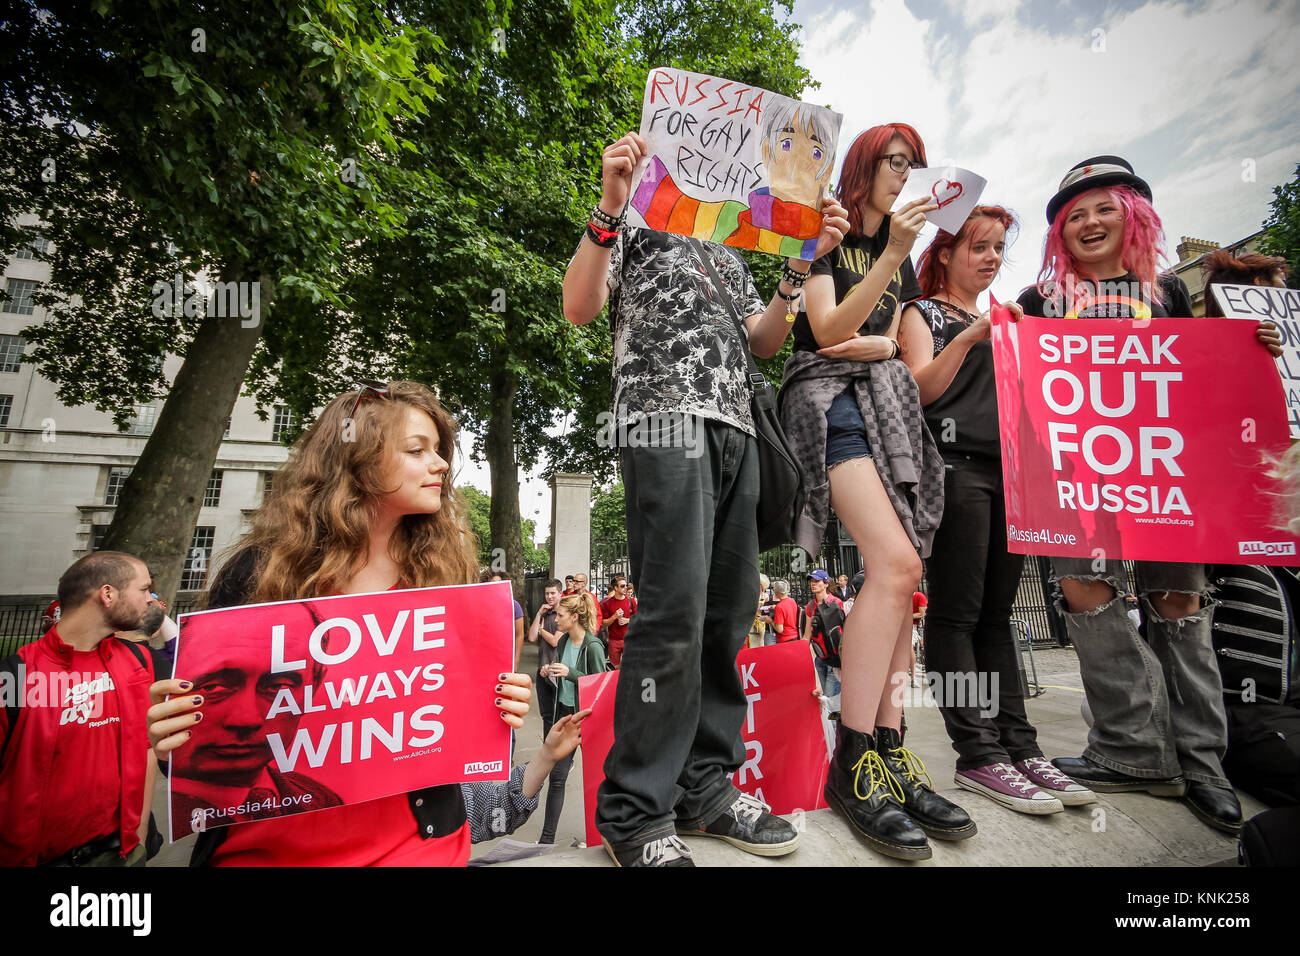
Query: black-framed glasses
(899, 162)
(365, 388)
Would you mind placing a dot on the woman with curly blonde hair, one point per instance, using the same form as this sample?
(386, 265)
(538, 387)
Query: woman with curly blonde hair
(364, 504)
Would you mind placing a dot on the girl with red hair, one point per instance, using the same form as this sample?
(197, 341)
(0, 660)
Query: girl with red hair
(854, 419)
(1157, 701)
(972, 577)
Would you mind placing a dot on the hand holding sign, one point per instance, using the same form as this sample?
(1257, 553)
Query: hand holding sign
(906, 224)
(617, 168)
(953, 191)
(835, 226)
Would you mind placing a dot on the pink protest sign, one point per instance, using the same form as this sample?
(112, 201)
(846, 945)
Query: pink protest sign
(1141, 439)
(329, 701)
(595, 691)
(785, 749)
(785, 746)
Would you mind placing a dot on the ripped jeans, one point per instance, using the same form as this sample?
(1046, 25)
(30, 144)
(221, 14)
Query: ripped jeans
(1157, 703)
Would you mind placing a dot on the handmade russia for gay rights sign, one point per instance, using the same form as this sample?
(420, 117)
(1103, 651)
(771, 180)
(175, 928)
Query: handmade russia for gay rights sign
(732, 163)
(1260, 303)
(1140, 439)
(785, 750)
(319, 703)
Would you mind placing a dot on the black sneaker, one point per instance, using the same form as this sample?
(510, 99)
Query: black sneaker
(665, 851)
(750, 825)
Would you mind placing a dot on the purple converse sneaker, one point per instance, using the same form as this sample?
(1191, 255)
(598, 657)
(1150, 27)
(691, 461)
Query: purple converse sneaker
(1042, 774)
(1006, 785)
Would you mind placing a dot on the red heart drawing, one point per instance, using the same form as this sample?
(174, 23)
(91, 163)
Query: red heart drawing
(948, 193)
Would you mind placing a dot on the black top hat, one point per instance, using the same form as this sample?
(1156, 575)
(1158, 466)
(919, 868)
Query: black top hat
(1095, 173)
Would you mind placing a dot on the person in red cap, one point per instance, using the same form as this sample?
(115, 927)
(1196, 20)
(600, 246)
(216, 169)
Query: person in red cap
(76, 774)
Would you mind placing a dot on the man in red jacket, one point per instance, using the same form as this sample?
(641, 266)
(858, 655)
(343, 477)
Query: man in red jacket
(76, 770)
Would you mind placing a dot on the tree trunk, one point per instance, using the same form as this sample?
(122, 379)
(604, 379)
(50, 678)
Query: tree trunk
(159, 504)
(499, 442)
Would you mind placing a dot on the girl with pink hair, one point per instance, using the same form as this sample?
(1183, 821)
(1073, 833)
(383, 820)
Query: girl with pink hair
(1156, 700)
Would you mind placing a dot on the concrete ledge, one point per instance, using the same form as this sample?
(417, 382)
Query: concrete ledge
(1121, 829)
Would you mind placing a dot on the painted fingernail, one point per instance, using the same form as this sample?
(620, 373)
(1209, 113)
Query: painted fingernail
(186, 685)
(198, 717)
(498, 702)
(504, 715)
(189, 733)
(498, 688)
(501, 677)
(196, 699)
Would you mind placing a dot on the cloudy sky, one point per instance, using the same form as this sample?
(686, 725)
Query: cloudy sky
(1021, 90)
(1203, 98)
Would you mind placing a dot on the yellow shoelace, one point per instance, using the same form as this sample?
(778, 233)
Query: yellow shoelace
(878, 775)
(913, 768)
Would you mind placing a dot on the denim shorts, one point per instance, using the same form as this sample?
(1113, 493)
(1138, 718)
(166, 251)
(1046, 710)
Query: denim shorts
(846, 434)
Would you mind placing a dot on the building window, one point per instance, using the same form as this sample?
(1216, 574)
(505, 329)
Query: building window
(142, 423)
(281, 423)
(18, 297)
(11, 352)
(35, 249)
(116, 479)
(6, 406)
(97, 532)
(267, 478)
(212, 495)
(226, 434)
(196, 561)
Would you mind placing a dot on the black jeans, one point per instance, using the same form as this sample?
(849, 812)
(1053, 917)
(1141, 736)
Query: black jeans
(692, 540)
(560, 772)
(969, 648)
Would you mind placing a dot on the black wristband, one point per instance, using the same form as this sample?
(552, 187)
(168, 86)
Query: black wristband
(605, 241)
(605, 220)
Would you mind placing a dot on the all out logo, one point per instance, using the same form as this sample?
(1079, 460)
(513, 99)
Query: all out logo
(485, 766)
(1265, 547)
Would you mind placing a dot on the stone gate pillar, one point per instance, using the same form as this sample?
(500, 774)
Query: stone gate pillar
(570, 525)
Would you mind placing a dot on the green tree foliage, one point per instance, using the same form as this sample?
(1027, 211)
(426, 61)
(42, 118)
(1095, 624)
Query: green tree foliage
(1282, 235)
(472, 133)
(608, 521)
(535, 558)
(156, 137)
(480, 511)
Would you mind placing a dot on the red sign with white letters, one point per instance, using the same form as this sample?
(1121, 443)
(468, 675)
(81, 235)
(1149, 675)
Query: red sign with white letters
(785, 747)
(329, 701)
(1141, 439)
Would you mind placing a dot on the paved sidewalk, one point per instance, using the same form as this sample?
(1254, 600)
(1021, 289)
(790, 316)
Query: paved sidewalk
(1122, 829)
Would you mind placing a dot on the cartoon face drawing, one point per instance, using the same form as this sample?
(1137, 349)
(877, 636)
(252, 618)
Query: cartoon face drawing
(798, 151)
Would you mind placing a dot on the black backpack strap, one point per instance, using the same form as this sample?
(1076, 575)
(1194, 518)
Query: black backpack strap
(13, 665)
(135, 651)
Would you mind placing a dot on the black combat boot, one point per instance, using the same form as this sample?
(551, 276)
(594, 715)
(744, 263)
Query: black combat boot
(860, 787)
(938, 817)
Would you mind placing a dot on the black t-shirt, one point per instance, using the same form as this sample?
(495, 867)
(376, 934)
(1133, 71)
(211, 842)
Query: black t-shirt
(847, 265)
(1115, 299)
(964, 419)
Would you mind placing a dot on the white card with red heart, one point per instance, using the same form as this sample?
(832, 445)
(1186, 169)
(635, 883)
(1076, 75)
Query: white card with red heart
(956, 190)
